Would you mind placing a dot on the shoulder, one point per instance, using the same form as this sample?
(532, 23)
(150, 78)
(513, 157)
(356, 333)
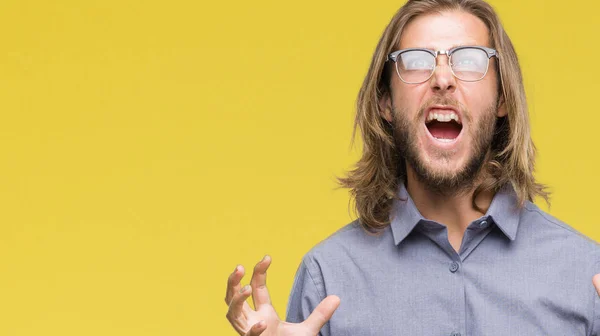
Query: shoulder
(351, 242)
(543, 227)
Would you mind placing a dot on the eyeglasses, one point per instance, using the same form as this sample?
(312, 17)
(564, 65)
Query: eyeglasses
(467, 63)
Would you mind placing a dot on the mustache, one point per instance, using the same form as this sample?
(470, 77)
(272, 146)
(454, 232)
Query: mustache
(446, 101)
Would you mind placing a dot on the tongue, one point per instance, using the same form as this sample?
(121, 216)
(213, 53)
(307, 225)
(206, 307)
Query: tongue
(444, 130)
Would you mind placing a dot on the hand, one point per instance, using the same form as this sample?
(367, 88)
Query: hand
(264, 320)
(596, 282)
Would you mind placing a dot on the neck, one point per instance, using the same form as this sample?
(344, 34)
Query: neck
(454, 210)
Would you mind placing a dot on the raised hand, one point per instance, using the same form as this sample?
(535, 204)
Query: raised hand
(263, 320)
(596, 282)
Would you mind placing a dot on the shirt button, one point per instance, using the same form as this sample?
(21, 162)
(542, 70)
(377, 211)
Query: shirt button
(453, 266)
(483, 224)
(455, 334)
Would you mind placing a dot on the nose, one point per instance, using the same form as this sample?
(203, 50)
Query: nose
(442, 78)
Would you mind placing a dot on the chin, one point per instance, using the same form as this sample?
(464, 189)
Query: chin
(445, 175)
(444, 163)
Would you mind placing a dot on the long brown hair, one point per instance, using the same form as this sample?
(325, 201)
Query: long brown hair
(374, 181)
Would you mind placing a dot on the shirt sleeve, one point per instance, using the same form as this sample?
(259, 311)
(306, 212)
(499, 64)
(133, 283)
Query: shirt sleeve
(307, 292)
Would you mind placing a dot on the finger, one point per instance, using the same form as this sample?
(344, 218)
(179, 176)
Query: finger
(233, 283)
(236, 306)
(322, 313)
(257, 329)
(596, 282)
(260, 293)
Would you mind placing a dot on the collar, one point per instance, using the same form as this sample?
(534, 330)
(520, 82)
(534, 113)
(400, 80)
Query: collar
(504, 211)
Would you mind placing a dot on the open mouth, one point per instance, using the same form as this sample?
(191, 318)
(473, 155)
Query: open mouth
(443, 125)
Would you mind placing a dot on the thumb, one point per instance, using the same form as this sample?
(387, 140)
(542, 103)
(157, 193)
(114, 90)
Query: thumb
(596, 282)
(322, 313)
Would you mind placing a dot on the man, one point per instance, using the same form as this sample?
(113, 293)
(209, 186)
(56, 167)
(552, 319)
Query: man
(448, 241)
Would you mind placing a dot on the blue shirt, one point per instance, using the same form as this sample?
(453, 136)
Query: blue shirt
(519, 271)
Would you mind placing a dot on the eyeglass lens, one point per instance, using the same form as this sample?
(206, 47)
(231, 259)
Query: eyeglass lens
(467, 64)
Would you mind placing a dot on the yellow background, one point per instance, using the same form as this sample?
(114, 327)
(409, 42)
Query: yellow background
(147, 147)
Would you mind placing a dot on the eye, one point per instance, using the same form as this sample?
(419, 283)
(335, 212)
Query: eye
(416, 60)
(467, 63)
(418, 64)
(469, 59)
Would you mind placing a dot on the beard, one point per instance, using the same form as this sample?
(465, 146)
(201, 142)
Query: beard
(444, 181)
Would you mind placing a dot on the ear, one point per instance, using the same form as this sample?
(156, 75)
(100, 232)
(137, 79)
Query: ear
(385, 107)
(501, 107)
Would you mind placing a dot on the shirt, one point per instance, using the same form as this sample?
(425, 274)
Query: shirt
(519, 271)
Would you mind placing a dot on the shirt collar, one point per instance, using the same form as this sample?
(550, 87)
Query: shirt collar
(504, 211)
(404, 215)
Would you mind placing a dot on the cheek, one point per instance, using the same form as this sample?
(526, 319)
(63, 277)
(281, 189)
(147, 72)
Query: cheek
(409, 98)
(478, 99)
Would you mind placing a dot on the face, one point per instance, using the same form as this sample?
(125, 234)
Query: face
(445, 155)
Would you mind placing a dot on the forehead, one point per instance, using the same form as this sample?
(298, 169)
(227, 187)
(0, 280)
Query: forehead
(442, 31)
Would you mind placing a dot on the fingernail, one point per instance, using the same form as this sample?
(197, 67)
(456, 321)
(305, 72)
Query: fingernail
(260, 324)
(245, 288)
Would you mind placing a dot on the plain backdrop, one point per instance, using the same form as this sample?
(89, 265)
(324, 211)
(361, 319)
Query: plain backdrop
(148, 147)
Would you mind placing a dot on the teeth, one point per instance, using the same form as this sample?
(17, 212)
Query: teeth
(444, 140)
(443, 117)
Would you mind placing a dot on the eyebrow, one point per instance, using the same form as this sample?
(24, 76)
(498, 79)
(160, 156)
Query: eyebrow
(452, 46)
